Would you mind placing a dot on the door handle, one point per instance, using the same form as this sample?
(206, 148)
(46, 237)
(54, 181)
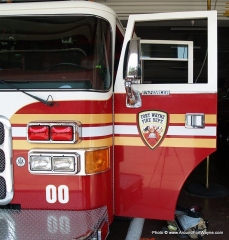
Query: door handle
(194, 120)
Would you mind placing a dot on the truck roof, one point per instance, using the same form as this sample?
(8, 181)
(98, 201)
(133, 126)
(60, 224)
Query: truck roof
(57, 7)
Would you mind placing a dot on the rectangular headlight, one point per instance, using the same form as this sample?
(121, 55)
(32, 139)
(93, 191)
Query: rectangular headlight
(63, 164)
(55, 162)
(40, 163)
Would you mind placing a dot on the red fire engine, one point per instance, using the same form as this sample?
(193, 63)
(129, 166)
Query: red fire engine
(92, 125)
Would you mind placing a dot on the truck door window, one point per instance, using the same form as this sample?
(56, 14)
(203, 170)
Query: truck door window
(55, 52)
(174, 51)
(164, 56)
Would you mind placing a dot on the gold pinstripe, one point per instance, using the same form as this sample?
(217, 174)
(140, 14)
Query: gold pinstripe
(97, 118)
(189, 142)
(23, 144)
(123, 141)
(173, 118)
(168, 142)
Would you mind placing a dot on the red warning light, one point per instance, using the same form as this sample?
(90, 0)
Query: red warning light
(61, 133)
(38, 133)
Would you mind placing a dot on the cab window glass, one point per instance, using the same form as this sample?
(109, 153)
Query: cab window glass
(173, 51)
(55, 52)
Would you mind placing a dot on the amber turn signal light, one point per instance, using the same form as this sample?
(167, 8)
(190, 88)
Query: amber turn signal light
(97, 160)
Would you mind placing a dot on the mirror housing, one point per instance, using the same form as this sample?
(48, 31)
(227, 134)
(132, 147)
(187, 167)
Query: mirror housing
(132, 69)
(132, 73)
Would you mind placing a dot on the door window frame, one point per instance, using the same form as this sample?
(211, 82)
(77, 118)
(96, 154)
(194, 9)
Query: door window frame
(210, 86)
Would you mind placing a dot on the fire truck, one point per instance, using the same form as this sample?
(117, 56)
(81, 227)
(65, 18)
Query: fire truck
(98, 121)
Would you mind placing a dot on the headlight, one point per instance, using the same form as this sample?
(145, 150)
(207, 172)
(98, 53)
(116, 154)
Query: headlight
(63, 164)
(53, 162)
(40, 163)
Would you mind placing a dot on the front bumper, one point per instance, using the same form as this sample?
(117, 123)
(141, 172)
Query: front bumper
(51, 224)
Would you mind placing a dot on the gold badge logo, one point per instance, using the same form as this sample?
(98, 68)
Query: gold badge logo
(152, 126)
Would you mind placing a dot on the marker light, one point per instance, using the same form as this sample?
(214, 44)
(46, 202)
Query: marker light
(62, 133)
(38, 133)
(63, 164)
(97, 161)
(40, 163)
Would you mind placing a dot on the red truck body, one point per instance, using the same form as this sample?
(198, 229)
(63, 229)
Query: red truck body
(89, 126)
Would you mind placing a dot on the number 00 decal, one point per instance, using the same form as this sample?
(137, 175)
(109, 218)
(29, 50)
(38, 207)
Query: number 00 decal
(53, 194)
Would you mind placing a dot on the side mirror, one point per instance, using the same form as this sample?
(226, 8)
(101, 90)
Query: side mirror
(132, 69)
(132, 73)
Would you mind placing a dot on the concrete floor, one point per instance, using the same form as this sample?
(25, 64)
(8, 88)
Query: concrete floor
(214, 209)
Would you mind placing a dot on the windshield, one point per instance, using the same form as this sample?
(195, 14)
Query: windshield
(55, 52)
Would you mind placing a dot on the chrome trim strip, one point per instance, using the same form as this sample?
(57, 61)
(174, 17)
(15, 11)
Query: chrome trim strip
(7, 174)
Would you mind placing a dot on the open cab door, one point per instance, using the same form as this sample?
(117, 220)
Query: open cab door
(165, 109)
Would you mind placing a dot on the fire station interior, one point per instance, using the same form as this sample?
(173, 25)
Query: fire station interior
(208, 185)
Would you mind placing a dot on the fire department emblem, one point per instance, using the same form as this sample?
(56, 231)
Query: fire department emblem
(152, 126)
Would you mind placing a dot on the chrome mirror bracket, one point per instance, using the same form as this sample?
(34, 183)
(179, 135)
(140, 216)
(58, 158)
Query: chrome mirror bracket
(133, 98)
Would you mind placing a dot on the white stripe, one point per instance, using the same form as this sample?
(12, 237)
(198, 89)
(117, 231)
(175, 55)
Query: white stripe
(129, 130)
(173, 130)
(96, 131)
(135, 230)
(86, 131)
(183, 131)
(24, 100)
(19, 131)
(123, 129)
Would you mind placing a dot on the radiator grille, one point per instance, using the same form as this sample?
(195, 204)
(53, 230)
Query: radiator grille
(2, 133)
(6, 167)
(2, 188)
(4, 225)
(2, 161)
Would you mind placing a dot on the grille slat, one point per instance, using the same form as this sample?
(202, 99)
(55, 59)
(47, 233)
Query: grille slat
(6, 167)
(2, 133)
(2, 161)
(2, 188)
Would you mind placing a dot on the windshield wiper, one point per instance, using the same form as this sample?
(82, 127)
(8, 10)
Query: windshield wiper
(48, 103)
